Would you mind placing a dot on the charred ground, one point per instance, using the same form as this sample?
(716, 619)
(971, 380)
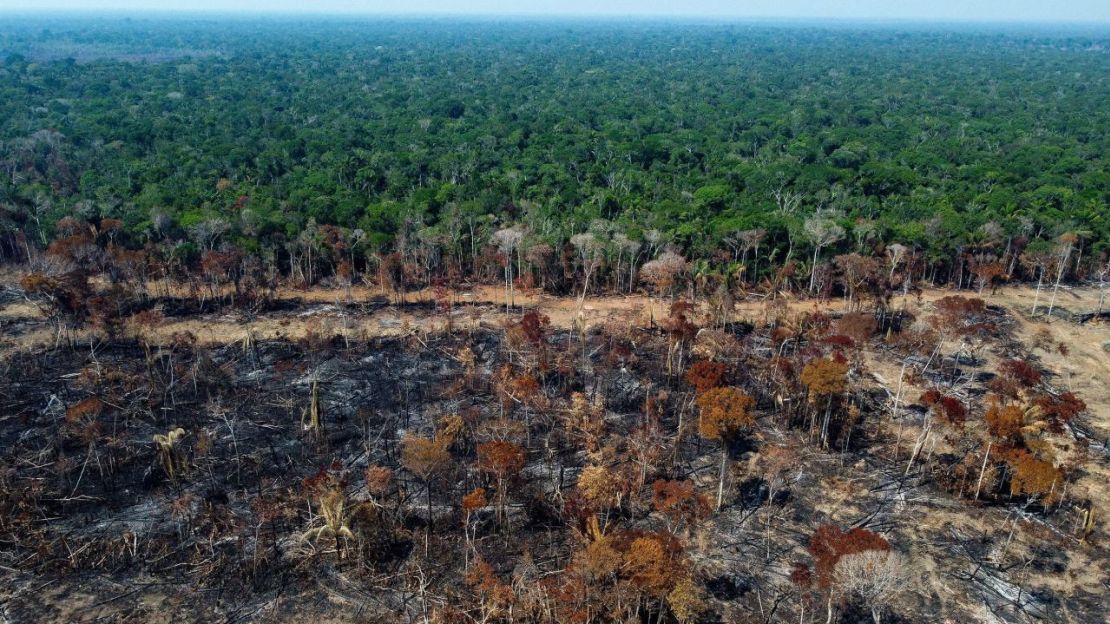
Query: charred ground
(500, 467)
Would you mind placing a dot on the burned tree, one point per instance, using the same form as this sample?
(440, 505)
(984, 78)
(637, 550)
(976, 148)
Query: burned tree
(725, 414)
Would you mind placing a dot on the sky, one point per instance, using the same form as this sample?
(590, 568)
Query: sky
(1084, 11)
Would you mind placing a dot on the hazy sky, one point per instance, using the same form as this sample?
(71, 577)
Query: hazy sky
(978, 10)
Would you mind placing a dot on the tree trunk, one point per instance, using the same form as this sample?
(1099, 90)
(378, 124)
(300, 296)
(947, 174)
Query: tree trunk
(813, 269)
(721, 479)
(983, 469)
(1059, 276)
(1037, 297)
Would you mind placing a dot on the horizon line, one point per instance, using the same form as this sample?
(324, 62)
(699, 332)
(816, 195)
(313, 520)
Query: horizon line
(545, 16)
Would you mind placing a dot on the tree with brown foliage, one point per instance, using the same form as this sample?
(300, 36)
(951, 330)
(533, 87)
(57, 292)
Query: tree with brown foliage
(61, 298)
(471, 503)
(427, 459)
(503, 460)
(855, 272)
(664, 274)
(680, 332)
(825, 378)
(495, 597)
(1034, 477)
(680, 502)
(774, 464)
(725, 414)
(602, 487)
(958, 317)
(859, 326)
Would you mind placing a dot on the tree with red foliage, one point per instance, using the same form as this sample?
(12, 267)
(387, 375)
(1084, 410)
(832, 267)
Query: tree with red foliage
(986, 274)
(220, 267)
(705, 375)
(530, 333)
(801, 577)
(950, 409)
(1059, 410)
(1020, 372)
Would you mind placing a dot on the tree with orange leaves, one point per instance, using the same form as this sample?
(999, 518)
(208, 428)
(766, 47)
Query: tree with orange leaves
(471, 503)
(1034, 477)
(825, 378)
(503, 460)
(494, 595)
(653, 565)
(679, 501)
(427, 459)
(725, 414)
(1004, 421)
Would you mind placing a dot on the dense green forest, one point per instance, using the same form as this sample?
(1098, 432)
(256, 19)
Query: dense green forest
(733, 144)
(256, 363)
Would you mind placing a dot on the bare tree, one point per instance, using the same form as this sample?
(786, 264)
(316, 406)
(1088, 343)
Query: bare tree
(750, 240)
(1066, 242)
(821, 231)
(208, 232)
(876, 576)
(663, 273)
(625, 245)
(1103, 273)
(507, 241)
(591, 252)
(895, 254)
